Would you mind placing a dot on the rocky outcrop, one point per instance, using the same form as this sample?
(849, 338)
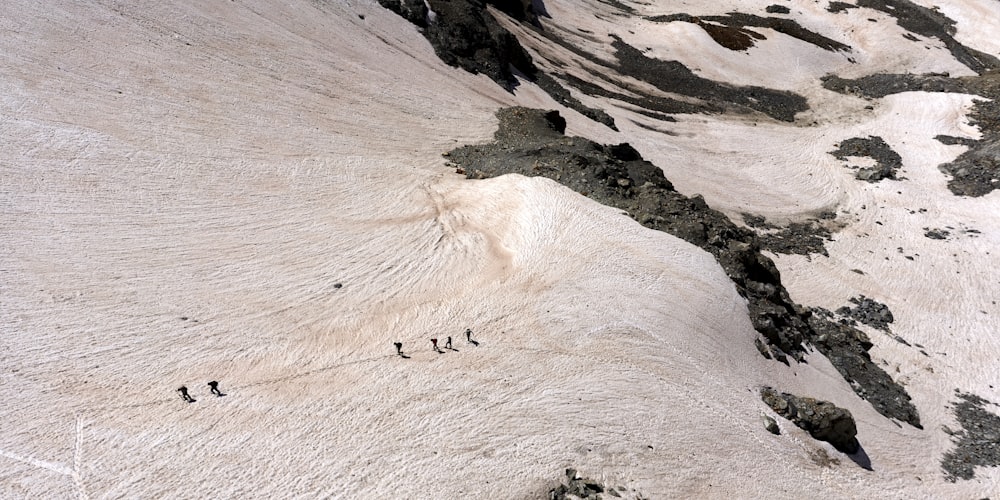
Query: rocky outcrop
(674, 77)
(414, 11)
(465, 34)
(732, 30)
(977, 444)
(847, 349)
(870, 312)
(575, 487)
(771, 425)
(887, 161)
(801, 238)
(530, 142)
(821, 419)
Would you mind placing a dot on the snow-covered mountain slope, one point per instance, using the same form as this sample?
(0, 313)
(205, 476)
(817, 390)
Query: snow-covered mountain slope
(254, 193)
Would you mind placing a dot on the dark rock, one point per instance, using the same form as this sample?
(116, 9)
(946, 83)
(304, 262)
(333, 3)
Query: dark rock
(870, 312)
(881, 85)
(731, 30)
(761, 348)
(800, 238)
(757, 221)
(672, 76)
(978, 443)
(561, 95)
(821, 419)
(836, 7)
(771, 425)
(777, 9)
(577, 487)
(875, 148)
(847, 349)
(414, 11)
(464, 34)
(950, 140)
(976, 172)
(936, 234)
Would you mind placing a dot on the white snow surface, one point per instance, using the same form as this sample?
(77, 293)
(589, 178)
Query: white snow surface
(184, 183)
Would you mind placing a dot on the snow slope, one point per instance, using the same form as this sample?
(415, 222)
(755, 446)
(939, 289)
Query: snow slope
(185, 183)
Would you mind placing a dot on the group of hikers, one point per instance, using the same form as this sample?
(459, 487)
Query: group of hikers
(434, 343)
(214, 385)
(186, 396)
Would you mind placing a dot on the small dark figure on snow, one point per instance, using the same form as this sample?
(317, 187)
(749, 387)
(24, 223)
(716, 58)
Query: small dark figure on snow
(183, 391)
(399, 347)
(468, 334)
(447, 343)
(214, 387)
(434, 342)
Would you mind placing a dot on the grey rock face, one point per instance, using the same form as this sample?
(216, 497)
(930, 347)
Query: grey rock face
(821, 419)
(414, 11)
(870, 312)
(771, 425)
(577, 487)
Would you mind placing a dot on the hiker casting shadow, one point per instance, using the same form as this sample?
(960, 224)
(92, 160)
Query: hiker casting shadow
(214, 388)
(183, 391)
(399, 350)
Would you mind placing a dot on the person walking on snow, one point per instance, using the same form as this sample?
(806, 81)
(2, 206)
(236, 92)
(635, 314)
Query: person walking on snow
(447, 343)
(399, 347)
(435, 343)
(183, 391)
(468, 334)
(214, 388)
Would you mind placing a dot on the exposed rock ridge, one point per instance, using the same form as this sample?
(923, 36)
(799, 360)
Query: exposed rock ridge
(464, 34)
(530, 142)
(575, 487)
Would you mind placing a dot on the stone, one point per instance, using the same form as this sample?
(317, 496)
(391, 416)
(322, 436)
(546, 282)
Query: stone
(576, 487)
(937, 234)
(771, 425)
(761, 348)
(821, 419)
